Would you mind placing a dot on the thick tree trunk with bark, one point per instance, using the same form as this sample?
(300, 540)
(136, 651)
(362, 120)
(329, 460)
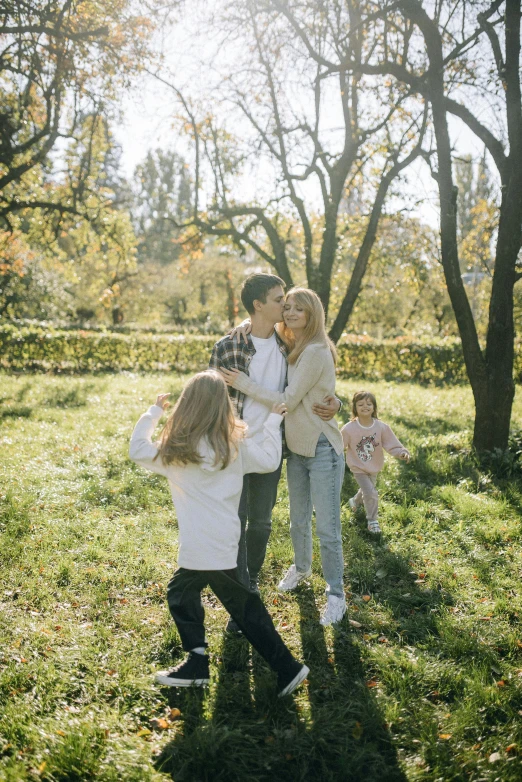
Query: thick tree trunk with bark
(490, 373)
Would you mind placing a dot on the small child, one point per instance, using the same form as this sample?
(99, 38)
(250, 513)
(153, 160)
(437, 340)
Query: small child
(364, 439)
(203, 453)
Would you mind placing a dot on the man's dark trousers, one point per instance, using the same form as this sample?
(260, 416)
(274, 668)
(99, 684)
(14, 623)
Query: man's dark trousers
(258, 498)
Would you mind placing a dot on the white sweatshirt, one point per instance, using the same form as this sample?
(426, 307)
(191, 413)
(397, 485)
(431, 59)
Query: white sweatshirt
(207, 498)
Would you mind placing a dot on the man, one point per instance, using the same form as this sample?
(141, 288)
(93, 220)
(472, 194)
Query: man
(263, 357)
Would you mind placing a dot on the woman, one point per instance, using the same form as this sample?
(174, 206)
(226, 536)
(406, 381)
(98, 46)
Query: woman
(315, 466)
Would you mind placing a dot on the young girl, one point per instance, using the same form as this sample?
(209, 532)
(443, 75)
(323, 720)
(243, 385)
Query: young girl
(315, 466)
(364, 438)
(203, 453)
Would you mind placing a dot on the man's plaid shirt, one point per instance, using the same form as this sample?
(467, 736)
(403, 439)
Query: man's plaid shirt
(237, 354)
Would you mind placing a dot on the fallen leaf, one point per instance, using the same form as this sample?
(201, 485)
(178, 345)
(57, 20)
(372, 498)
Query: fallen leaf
(519, 643)
(501, 683)
(372, 683)
(159, 723)
(366, 598)
(41, 767)
(60, 732)
(444, 736)
(476, 746)
(269, 740)
(143, 732)
(174, 714)
(357, 731)
(381, 573)
(494, 757)
(353, 623)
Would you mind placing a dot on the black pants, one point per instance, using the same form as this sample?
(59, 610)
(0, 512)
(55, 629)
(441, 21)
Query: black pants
(258, 498)
(245, 607)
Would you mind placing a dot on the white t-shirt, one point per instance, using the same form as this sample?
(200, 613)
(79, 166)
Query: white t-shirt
(267, 369)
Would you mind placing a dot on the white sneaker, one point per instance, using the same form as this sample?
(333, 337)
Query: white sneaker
(291, 579)
(334, 611)
(374, 527)
(351, 503)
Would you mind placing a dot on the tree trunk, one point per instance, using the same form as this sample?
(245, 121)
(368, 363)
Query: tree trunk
(493, 406)
(490, 374)
(117, 315)
(495, 400)
(232, 304)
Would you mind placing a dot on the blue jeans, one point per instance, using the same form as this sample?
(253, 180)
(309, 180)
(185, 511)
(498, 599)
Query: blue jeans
(314, 483)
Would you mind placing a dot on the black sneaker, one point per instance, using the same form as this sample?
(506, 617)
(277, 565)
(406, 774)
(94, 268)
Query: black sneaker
(287, 683)
(194, 670)
(233, 627)
(254, 586)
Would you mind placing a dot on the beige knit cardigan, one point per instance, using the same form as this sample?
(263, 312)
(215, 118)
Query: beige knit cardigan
(310, 379)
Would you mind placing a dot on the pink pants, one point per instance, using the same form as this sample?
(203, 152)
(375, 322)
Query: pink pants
(367, 494)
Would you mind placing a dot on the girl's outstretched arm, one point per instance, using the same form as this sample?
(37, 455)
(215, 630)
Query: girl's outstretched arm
(141, 449)
(266, 456)
(394, 446)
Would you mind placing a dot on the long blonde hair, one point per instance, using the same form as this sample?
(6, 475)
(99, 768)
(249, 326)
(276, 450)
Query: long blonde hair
(315, 329)
(204, 409)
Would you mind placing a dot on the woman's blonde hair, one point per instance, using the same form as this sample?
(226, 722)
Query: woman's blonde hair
(203, 410)
(315, 329)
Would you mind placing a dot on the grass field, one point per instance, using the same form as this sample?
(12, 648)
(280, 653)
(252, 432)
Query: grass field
(421, 681)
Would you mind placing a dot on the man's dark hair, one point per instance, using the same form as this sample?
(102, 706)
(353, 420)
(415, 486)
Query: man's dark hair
(256, 286)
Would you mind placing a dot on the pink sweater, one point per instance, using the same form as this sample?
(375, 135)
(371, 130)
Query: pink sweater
(365, 445)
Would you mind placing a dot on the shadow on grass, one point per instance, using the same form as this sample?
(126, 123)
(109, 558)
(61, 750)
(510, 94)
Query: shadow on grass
(225, 745)
(16, 411)
(338, 695)
(428, 425)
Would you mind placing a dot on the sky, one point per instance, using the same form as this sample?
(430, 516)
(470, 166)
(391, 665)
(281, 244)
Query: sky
(192, 56)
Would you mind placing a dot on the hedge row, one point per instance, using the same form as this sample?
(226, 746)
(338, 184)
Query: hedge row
(38, 349)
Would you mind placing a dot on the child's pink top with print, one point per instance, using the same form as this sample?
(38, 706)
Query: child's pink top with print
(365, 445)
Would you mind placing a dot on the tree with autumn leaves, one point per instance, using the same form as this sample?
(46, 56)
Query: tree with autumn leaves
(63, 67)
(397, 72)
(331, 109)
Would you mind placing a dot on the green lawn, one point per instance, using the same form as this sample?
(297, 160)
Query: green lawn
(421, 680)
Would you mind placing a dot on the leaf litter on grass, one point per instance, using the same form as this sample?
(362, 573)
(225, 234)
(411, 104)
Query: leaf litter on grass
(89, 543)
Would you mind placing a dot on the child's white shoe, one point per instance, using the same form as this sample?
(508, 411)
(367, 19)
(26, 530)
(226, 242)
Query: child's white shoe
(373, 526)
(351, 503)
